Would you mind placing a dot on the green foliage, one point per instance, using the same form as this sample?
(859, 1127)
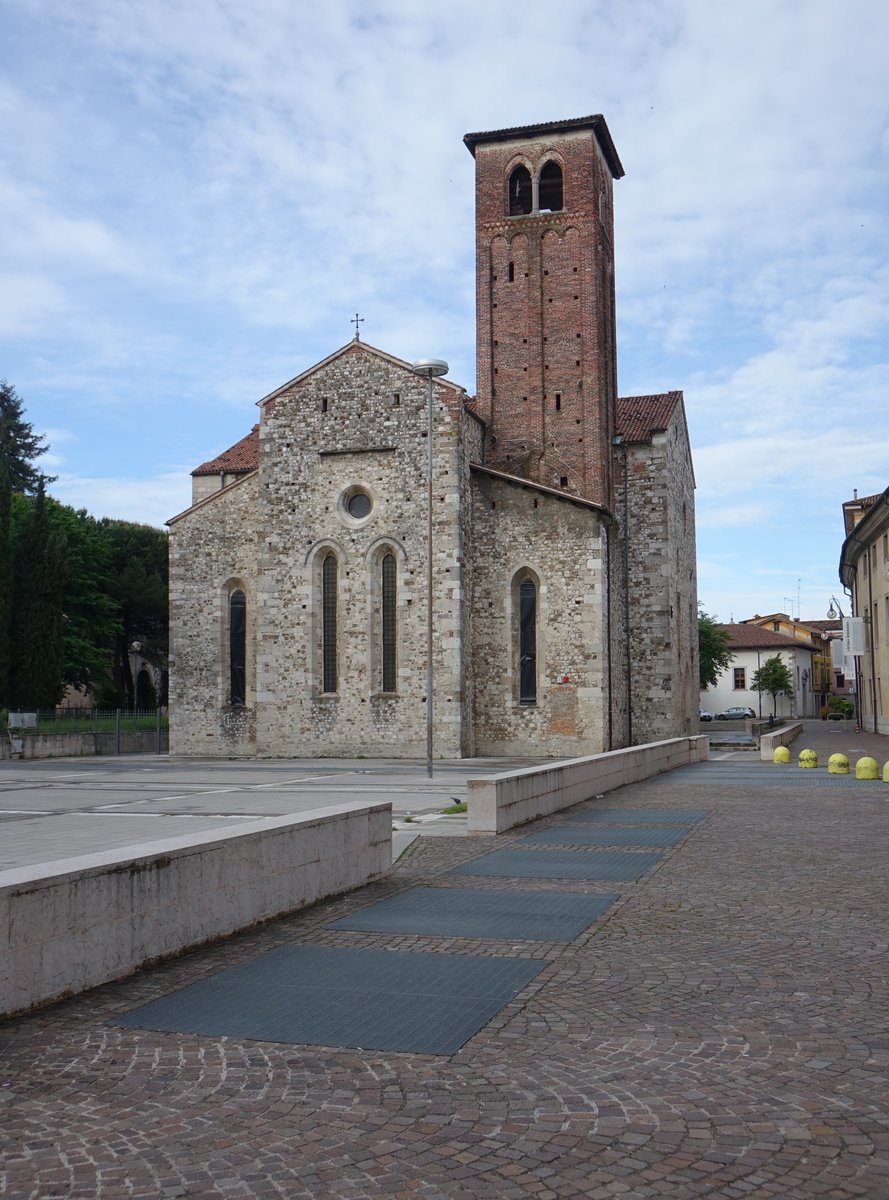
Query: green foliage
(841, 704)
(91, 613)
(714, 655)
(773, 677)
(19, 445)
(37, 624)
(74, 592)
(6, 574)
(139, 586)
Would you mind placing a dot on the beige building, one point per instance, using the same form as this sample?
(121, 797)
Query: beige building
(864, 572)
(562, 565)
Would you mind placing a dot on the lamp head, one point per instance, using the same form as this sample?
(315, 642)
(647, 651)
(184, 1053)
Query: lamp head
(430, 367)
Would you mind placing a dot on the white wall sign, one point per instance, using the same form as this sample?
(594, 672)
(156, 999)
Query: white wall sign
(853, 635)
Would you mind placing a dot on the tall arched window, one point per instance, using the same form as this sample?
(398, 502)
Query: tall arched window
(527, 642)
(550, 188)
(389, 630)
(328, 624)
(519, 192)
(237, 647)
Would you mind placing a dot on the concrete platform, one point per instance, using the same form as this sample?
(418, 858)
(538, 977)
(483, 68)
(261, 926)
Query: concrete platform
(60, 808)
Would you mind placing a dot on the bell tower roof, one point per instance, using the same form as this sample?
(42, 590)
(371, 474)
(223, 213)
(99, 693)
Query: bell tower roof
(520, 133)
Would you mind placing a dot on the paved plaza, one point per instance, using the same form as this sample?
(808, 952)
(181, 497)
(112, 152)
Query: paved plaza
(714, 1021)
(60, 808)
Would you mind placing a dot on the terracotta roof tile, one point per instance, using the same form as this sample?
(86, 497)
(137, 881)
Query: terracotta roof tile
(639, 417)
(754, 637)
(239, 459)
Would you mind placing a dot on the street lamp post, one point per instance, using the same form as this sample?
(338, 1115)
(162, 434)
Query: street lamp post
(430, 368)
(136, 648)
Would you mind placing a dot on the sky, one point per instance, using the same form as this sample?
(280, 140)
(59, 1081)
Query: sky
(197, 195)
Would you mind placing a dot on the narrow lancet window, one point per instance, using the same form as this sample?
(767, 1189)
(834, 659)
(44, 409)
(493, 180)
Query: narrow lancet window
(519, 192)
(550, 188)
(237, 647)
(389, 630)
(527, 642)
(328, 624)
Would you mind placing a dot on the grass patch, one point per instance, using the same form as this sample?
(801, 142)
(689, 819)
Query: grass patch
(455, 809)
(100, 725)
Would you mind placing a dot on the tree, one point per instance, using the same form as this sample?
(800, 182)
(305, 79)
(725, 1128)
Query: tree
(19, 444)
(37, 641)
(773, 677)
(19, 447)
(91, 615)
(714, 654)
(139, 585)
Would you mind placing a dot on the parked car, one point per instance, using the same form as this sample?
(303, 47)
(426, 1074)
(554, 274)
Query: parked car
(705, 716)
(738, 713)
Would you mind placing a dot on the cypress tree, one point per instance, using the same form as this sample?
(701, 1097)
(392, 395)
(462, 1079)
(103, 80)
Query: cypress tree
(19, 447)
(37, 641)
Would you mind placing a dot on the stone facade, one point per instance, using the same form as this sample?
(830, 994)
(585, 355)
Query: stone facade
(563, 608)
(663, 677)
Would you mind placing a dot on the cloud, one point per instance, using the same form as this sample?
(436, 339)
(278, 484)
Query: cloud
(203, 194)
(146, 501)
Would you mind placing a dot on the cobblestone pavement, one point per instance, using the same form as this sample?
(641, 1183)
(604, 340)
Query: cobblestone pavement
(723, 1030)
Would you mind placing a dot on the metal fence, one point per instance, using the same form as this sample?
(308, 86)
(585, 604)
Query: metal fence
(90, 720)
(117, 730)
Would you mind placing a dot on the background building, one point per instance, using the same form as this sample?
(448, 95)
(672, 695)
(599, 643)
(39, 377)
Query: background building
(751, 646)
(864, 572)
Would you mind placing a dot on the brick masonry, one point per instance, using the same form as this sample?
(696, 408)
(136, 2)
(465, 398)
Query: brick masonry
(546, 362)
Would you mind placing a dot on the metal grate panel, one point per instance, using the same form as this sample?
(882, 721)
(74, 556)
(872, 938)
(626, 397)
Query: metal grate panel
(366, 999)
(661, 817)
(561, 864)
(606, 835)
(476, 912)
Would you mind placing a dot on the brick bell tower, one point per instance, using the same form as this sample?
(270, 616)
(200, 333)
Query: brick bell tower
(545, 336)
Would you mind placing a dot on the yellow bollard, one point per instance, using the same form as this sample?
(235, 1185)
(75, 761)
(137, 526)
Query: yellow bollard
(838, 764)
(781, 755)
(886, 773)
(866, 768)
(808, 758)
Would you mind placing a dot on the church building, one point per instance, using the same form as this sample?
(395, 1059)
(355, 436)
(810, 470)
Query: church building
(553, 520)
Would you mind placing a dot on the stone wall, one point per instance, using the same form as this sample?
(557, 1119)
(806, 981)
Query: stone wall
(358, 424)
(560, 544)
(664, 677)
(212, 552)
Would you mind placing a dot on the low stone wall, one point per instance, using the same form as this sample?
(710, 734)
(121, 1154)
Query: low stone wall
(75, 745)
(72, 924)
(780, 737)
(501, 802)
